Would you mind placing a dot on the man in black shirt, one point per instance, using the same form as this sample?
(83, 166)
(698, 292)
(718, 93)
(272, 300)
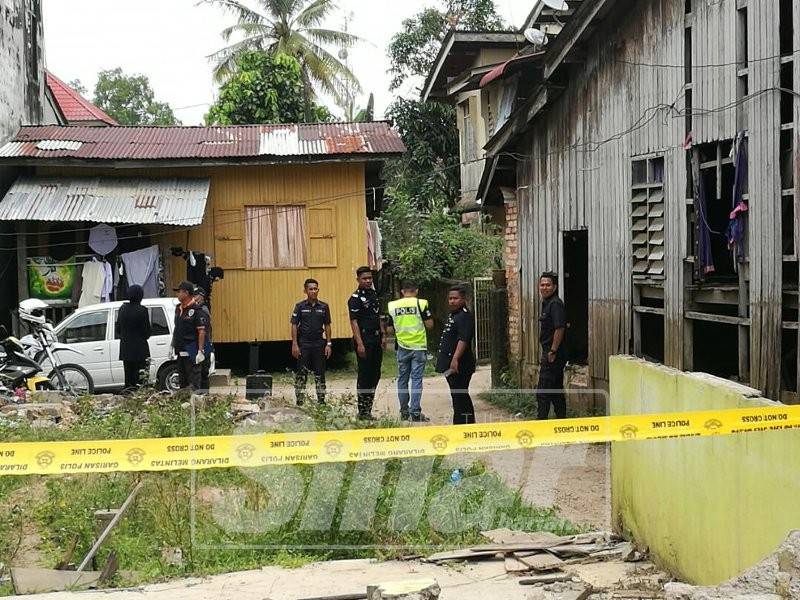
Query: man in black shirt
(200, 295)
(369, 339)
(189, 337)
(456, 359)
(311, 341)
(552, 329)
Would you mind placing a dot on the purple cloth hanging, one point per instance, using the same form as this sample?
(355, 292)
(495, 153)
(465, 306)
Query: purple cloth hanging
(737, 226)
(705, 258)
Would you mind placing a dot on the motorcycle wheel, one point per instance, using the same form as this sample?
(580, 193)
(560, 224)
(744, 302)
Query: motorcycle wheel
(79, 382)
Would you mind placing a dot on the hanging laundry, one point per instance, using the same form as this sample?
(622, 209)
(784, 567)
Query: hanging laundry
(737, 225)
(93, 280)
(370, 248)
(142, 267)
(377, 240)
(108, 282)
(102, 239)
(705, 264)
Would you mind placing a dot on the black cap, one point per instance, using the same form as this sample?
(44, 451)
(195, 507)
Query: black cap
(185, 285)
(198, 291)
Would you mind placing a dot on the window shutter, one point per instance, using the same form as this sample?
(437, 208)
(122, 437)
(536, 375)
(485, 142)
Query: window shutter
(322, 249)
(228, 238)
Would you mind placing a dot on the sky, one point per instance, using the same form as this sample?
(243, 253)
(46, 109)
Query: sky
(169, 41)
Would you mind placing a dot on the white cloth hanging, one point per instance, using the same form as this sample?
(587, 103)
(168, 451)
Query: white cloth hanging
(108, 282)
(92, 283)
(142, 269)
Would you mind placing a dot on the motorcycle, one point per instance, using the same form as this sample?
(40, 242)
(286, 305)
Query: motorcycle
(42, 346)
(18, 371)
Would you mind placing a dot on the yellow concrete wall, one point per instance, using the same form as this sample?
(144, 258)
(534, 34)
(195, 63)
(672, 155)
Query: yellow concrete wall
(255, 305)
(710, 507)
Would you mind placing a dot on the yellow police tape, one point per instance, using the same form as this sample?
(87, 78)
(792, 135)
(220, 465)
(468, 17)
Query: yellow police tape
(252, 450)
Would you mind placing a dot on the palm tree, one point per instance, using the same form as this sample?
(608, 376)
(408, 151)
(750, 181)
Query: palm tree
(291, 27)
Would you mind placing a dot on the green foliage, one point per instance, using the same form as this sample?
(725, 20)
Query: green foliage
(264, 88)
(414, 48)
(130, 100)
(60, 508)
(77, 85)
(295, 28)
(428, 173)
(432, 245)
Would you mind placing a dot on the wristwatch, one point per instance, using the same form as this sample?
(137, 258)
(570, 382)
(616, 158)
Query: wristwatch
(329, 344)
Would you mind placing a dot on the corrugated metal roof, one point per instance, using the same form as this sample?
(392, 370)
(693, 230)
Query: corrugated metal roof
(176, 201)
(75, 107)
(305, 141)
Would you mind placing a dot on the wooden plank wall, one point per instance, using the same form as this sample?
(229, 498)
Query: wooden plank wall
(765, 196)
(714, 43)
(252, 305)
(609, 112)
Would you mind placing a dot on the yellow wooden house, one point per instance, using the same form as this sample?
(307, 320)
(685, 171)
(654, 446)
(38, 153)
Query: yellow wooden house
(271, 204)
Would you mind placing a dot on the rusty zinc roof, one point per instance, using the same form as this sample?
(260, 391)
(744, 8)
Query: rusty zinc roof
(176, 201)
(263, 143)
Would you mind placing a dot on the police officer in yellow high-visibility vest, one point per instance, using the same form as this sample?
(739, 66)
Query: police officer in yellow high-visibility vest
(410, 317)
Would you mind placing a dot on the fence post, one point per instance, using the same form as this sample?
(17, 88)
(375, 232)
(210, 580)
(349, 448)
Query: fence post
(499, 340)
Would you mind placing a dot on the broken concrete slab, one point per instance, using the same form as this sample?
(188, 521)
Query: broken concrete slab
(541, 562)
(546, 578)
(562, 591)
(776, 577)
(40, 581)
(412, 589)
(510, 536)
(514, 565)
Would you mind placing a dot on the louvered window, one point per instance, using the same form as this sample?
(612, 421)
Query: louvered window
(647, 218)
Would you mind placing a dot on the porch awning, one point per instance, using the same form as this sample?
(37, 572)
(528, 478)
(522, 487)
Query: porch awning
(174, 201)
(510, 66)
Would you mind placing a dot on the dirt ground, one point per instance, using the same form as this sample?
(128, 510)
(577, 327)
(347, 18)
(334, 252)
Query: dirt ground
(575, 479)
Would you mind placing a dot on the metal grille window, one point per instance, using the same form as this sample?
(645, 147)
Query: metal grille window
(647, 217)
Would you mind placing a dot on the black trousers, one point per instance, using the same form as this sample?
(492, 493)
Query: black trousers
(190, 373)
(205, 368)
(550, 390)
(463, 410)
(133, 372)
(312, 360)
(369, 374)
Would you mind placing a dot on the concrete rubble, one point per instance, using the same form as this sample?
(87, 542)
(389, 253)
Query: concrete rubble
(777, 577)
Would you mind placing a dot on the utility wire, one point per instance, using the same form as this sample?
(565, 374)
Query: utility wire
(591, 146)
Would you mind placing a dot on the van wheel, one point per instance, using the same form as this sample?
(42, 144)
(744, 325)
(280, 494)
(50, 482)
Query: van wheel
(169, 378)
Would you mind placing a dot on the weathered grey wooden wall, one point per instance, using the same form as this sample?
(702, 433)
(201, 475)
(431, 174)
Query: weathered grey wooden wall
(578, 174)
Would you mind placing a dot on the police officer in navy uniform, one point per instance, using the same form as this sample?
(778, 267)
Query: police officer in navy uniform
(189, 337)
(369, 339)
(311, 341)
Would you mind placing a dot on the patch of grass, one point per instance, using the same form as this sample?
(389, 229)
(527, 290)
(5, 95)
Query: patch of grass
(236, 519)
(513, 401)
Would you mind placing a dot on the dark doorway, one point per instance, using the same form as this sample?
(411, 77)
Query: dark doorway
(576, 294)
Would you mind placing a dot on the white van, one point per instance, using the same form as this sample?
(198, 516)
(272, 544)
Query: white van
(92, 330)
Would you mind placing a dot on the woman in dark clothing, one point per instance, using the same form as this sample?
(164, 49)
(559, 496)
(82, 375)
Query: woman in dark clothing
(133, 328)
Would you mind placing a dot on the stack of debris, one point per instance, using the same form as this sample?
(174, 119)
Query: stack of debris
(40, 414)
(548, 561)
(544, 553)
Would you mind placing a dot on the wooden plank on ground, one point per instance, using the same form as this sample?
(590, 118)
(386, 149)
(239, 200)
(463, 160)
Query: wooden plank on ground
(42, 581)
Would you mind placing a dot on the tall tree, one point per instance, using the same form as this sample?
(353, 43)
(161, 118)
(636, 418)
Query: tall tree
(130, 99)
(292, 27)
(428, 174)
(413, 50)
(264, 88)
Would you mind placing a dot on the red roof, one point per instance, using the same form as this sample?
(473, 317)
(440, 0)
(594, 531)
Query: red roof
(304, 141)
(74, 106)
